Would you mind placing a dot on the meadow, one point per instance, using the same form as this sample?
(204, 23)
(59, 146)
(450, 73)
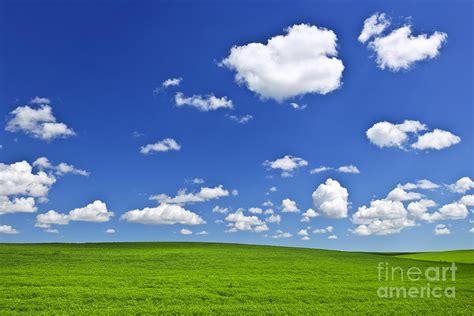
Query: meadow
(202, 278)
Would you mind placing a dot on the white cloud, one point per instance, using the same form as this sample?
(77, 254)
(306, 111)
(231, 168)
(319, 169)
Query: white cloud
(471, 230)
(17, 205)
(171, 82)
(297, 106)
(164, 214)
(452, 211)
(308, 215)
(267, 203)
(332, 237)
(467, 200)
(261, 228)
(390, 217)
(303, 232)
(7, 229)
(462, 185)
(437, 139)
(399, 194)
(164, 145)
(18, 179)
(288, 164)
(441, 229)
(273, 189)
(241, 119)
(240, 222)
(198, 181)
(348, 169)
(52, 217)
(52, 231)
(373, 26)
(218, 209)
(268, 211)
(419, 209)
(204, 195)
(185, 231)
(384, 209)
(40, 100)
(383, 217)
(289, 206)
(205, 104)
(386, 134)
(326, 230)
(93, 212)
(320, 169)
(305, 238)
(110, 231)
(342, 169)
(255, 210)
(302, 61)
(276, 219)
(39, 123)
(420, 184)
(202, 232)
(383, 227)
(399, 50)
(281, 234)
(331, 199)
(61, 169)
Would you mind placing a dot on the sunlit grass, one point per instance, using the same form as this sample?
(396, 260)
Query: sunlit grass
(205, 278)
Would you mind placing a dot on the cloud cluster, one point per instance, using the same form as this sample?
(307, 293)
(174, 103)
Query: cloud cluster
(281, 234)
(164, 214)
(20, 185)
(96, 212)
(61, 169)
(331, 199)
(238, 221)
(37, 122)
(17, 205)
(302, 61)
(171, 82)
(299, 107)
(462, 185)
(287, 164)
(7, 229)
(244, 119)
(441, 229)
(205, 104)
(326, 230)
(289, 206)
(342, 169)
(205, 194)
(308, 215)
(167, 144)
(389, 215)
(382, 217)
(399, 50)
(420, 184)
(386, 134)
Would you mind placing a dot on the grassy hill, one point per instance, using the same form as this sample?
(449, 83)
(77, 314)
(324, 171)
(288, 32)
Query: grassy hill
(206, 278)
(460, 256)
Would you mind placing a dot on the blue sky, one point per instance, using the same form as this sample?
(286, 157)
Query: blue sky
(102, 65)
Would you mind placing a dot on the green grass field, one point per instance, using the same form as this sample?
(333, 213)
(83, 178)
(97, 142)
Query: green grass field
(214, 278)
(461, 256)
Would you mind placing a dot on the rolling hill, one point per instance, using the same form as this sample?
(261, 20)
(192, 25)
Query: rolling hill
(202, 278)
